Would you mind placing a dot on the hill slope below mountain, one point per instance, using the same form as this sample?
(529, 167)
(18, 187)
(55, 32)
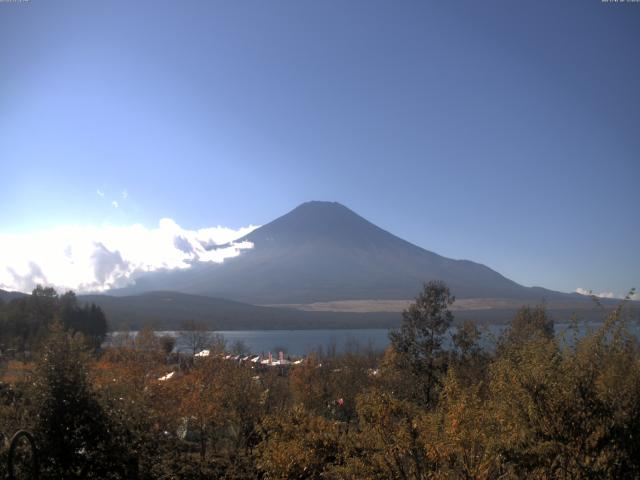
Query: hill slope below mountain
(6, 296)
(169, 311)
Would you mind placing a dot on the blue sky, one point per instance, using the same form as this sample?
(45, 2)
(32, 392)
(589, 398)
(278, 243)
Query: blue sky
(503, 132)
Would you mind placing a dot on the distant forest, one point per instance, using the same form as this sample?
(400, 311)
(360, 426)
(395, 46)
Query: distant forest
(535, 407)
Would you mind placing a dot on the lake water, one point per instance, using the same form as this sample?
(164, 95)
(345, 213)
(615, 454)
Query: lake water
(302, 342)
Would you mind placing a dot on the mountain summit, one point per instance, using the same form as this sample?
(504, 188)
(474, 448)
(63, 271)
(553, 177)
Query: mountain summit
(323, 251)
(317, 222)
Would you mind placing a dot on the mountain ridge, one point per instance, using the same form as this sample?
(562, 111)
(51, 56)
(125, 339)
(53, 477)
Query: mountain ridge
(7, 296)
(323, 251)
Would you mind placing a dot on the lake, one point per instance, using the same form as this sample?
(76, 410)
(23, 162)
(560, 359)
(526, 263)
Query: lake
(302, 342)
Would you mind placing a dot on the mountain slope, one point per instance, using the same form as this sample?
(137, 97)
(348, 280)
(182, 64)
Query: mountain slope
(322, 251)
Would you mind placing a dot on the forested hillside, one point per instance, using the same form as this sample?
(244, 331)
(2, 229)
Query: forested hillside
(25, 319)
(536, 406)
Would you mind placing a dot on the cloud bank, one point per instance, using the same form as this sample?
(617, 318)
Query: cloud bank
(90, 259)
(584, 291)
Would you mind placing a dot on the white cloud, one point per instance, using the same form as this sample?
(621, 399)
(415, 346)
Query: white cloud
(125, 194)
(584, 291)
(99, 258)
(100, 193)
(115, 204)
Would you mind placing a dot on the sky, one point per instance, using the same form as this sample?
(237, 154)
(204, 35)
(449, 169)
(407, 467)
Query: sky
(503, 132)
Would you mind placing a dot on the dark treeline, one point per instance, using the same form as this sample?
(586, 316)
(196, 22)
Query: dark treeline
(25, 321)
(534, 407)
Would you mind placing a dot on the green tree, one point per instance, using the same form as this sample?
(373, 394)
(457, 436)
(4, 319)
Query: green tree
(418, 342)
(88, 319)
(467, 357)
(24, 321)
(75, 437)
(528, 324)
(569, 411)
(466, 339)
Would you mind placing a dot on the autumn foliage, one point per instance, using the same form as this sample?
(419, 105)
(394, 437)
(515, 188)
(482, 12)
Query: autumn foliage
(434, 405)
